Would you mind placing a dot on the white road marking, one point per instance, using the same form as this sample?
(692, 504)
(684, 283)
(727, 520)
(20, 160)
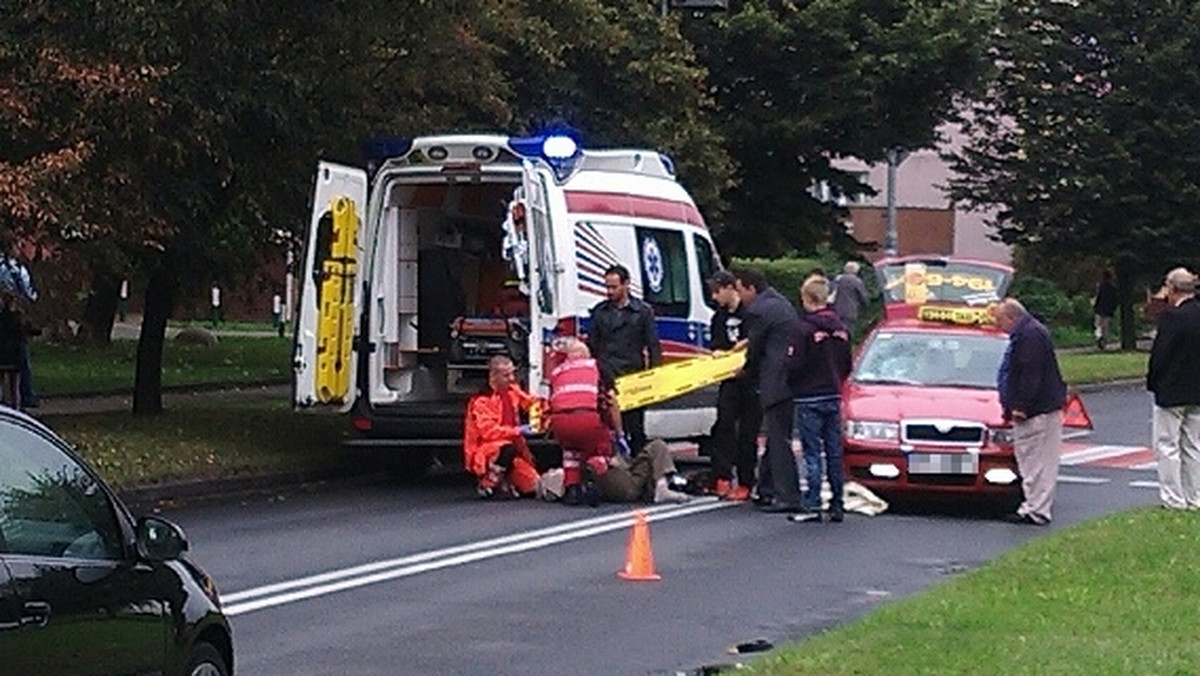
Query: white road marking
(1153, 464)
(1091, 480)
(1096, 453)
(1067, 436)
(312, 586)
(1143, 484)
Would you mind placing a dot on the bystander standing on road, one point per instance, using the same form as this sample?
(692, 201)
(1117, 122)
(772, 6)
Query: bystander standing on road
(623, 339)
(1032, 393)
(849, 295)
(1104, 306)
(772, 322)
(817, 367)
(1174, 378)
(739, 418)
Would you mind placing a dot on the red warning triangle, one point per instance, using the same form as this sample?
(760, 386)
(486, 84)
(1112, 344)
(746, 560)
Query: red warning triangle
(1074, 414)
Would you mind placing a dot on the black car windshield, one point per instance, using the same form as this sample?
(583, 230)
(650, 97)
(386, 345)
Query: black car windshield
(931, 359)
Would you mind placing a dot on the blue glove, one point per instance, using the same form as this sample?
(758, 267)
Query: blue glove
(621, 445)
(526, 431)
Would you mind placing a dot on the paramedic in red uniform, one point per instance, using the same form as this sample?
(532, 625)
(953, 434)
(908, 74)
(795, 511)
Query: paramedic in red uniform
(494, 447)
(575, 419)
(624, 339)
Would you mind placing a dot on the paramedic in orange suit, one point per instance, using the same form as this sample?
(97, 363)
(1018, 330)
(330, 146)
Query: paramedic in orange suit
(494, 447)
(575, 416)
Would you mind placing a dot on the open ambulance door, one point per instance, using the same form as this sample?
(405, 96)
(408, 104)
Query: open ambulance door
(544, 270)
(327, 313)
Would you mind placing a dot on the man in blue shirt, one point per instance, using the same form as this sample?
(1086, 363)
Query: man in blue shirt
(1032, 393)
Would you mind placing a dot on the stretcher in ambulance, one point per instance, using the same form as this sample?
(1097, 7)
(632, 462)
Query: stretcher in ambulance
(451, 249)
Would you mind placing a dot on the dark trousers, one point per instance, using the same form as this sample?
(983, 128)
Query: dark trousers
(819, 424)
(735, 433)
(634, 424)
(777, 476)
(28, 398)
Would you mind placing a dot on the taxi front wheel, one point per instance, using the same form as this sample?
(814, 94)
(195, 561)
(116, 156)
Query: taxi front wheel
(204, 660)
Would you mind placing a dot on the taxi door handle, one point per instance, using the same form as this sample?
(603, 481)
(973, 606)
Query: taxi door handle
(35, 614)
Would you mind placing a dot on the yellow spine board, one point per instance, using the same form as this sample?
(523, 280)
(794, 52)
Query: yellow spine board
(662, 383)
(335, 328)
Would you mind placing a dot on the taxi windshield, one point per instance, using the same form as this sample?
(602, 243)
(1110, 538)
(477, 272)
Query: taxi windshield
(931, 360)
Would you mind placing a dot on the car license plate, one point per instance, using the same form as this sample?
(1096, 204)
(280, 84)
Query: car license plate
(943, 463)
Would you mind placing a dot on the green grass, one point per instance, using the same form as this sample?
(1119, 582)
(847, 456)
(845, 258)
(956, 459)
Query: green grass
(1098, 367)
(200, 443)
(71, 369)
(1117, 596)
(225, 325)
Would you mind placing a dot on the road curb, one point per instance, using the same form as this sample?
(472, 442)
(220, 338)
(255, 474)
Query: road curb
(144, 497)
(1110, 385)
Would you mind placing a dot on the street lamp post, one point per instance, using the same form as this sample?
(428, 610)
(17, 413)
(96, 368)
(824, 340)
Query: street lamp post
(895, 155)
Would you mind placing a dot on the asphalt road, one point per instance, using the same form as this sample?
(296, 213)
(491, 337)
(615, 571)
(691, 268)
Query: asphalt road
(372, 577)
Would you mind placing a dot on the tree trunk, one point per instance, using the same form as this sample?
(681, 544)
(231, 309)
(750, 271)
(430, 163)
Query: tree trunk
(147, 381)
(1125, 286)
(100, 310)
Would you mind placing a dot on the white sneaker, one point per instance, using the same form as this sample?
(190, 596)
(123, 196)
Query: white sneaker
(663, 493)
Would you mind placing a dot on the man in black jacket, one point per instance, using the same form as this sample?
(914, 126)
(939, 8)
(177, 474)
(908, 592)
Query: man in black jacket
(623, 339)
(1174, 378)
(739, 419)
(819, 364)
(772, 321)
(1032, 393)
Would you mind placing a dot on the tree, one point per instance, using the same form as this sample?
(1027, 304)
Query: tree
(1083, 136)
(799, 84)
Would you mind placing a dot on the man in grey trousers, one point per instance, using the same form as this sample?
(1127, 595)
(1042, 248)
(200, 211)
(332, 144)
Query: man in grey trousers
(1032, 393)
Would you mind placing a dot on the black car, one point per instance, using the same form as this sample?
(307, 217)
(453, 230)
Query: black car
(86, 589)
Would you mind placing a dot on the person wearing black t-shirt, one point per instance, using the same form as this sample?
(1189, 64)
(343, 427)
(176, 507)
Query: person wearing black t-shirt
(734, 436)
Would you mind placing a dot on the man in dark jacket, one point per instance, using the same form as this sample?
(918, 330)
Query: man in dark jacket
(1032, 393)
(1174, 378)
(735, 433)
(819, 364)
(623, 339)
(772, 321)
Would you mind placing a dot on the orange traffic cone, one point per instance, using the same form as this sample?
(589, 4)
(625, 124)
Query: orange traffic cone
(639, 560)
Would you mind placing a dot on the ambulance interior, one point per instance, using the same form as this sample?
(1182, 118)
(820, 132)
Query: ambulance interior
(458, 302)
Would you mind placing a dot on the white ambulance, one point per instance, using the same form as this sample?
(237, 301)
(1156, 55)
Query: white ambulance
(450, 249)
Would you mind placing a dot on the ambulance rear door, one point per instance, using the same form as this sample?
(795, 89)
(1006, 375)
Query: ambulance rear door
(327, 313)
(544, 271)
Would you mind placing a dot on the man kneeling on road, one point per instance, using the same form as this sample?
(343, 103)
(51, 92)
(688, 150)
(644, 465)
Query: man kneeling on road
(646, 477)
(494, 447)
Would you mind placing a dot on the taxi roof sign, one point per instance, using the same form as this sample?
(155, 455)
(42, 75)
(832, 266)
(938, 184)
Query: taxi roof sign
(930, 280)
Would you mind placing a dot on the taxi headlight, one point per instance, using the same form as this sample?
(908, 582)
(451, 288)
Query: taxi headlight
(1001, 436)
(872, 430)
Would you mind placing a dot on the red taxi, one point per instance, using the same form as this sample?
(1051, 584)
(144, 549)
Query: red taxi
(920, 410)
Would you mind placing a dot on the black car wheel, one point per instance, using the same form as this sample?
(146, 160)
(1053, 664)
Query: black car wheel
(204, 660)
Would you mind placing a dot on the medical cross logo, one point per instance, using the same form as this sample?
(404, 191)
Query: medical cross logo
(652, 264)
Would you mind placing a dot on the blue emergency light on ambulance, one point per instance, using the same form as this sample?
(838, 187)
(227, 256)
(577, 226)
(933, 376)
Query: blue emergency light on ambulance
(473, 245)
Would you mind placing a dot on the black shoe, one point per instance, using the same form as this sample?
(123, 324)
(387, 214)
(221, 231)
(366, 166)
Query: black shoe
(763, 500)
(776, 507)
(806, 516)
(837, 515)
(573, 495)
